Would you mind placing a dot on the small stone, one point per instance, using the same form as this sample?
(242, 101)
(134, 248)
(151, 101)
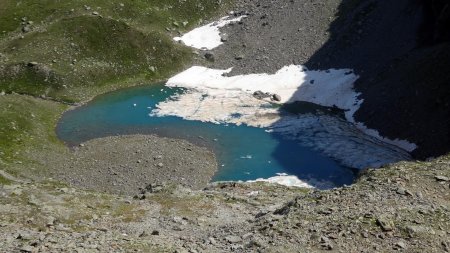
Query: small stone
(152, 69)
(446, 246)
(385, 224)
(50, 221)
(32, 64)
(246, 236)
(233, 239)
(209, 56)
(155, 232)
(26, 29)
(160, 165)
(276, 97)
(27, 249)
(401, 191)
(239, 57)
(212, 241)
(95, 13)
(442, 178)
(224, 37)
(24, 236)
(401, 245)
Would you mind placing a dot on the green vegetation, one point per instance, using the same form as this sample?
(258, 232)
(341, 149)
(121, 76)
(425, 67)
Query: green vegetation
(27, 126)
(4, 181)
(71, 51)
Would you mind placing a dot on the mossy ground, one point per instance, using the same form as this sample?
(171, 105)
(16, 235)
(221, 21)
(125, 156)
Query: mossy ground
(71, 51)
(27, 128)
(80, 54)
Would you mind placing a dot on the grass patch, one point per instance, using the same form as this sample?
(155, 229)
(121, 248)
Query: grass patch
(188, 206)
(27, 128)
(74, 50)
(79, 54)
(4, 181)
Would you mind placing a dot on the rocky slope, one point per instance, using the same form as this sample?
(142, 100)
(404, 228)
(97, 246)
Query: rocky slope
(399, 49)
(402, 207)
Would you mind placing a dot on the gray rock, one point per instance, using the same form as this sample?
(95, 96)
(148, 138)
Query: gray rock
(27, 249)
(442, 178)
(403, 191)
(26, 29)
(209, 56)
(276, 97)
(233, 239)
(401, 245)
(224, 37)
(24, 236)
(261, 95)
(50, 221)
(212, 241)
(385, 224)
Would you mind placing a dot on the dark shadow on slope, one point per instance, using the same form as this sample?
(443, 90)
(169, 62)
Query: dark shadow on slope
(399, 50)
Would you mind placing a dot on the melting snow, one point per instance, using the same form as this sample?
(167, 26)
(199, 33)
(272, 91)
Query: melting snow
(208, 36)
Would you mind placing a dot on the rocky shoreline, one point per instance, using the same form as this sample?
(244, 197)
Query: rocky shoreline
(124, 164)
(399, 208)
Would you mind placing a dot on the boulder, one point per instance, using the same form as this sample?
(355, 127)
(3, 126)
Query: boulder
(276, 97)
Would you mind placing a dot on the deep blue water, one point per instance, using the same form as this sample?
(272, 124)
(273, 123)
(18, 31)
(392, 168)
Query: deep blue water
(243, 153)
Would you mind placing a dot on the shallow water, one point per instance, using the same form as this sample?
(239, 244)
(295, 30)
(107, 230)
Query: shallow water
(243, 153)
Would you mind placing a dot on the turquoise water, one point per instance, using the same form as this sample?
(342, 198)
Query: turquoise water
(243, 153)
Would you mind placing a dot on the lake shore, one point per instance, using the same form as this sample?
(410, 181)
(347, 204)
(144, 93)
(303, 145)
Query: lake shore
(125, 164)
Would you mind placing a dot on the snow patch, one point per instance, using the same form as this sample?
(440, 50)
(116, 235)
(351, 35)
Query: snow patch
(215, 97)
(208, 36)
(294, 181)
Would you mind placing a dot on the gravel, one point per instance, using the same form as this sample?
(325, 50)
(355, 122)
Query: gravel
(124, 164)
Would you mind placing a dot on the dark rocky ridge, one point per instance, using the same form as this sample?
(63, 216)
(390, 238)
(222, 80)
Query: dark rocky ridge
(400, 49)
